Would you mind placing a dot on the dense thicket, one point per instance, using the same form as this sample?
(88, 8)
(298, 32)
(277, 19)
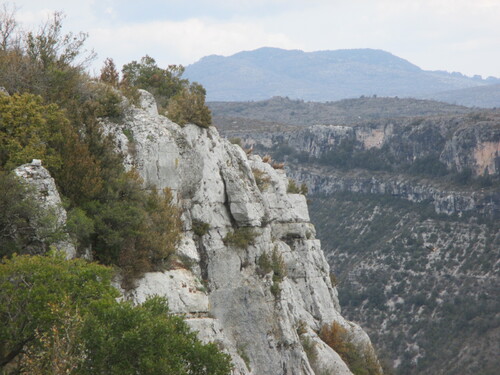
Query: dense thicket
(53, 114)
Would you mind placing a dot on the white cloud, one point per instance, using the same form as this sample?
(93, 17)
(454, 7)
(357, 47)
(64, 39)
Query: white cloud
(182, 42)
(455, 35)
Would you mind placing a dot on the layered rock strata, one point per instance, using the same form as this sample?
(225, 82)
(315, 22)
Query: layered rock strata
(448, 201)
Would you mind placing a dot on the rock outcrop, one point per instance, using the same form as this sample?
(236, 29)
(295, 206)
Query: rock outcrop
(45, 192)
(267, 323)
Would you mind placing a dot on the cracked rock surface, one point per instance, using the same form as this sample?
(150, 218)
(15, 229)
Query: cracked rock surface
(225, 294)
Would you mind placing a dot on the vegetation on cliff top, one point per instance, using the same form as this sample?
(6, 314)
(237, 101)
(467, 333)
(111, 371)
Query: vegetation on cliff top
(52, 112)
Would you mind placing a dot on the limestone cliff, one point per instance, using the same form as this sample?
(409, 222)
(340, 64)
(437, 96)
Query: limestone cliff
(460, 143)
(269, 325)
(45, 192)
(408, 211)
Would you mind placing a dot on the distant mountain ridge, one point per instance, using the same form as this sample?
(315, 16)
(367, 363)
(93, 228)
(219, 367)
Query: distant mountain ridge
(478, 96)
(320, 76)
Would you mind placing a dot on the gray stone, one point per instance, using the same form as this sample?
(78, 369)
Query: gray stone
(213, 182)
(47, 195)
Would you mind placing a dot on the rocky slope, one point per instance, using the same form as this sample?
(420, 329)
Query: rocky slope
(425, 286)
(265, 315)
(408, 213)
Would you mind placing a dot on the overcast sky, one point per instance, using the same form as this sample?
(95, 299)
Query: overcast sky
(452, 35)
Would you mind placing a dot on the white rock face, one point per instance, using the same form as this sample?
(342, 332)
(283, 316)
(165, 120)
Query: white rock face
(45, 190)
(214, 183)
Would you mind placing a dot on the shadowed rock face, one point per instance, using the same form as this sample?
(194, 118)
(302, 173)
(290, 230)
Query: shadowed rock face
(45, 192)
(237, 304)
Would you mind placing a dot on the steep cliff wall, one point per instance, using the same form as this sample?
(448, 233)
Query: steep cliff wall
(447, 200)
(267, 318)
(460, 143)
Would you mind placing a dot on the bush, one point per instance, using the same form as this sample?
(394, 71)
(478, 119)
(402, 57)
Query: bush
(276, 264)
(75, 325)
(188, 107)
(240, 238)
(182, 102)
(147, 75)
(25, 227)
(360, 362)
(59, 286)
(264, 264)
(200, 228)
(261, 179)
(30, 130)
(128, 340)
(293, 188)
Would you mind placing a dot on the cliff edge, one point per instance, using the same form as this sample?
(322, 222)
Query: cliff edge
(251, 275)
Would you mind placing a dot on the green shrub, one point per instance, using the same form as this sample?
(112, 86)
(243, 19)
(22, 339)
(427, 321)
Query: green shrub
(30, 130)
(200, 228)
(241, 237)
(264, 264)
(276, 264)
(361, 361)
(25, 226)
(188, 107)
(109, 100)
(183, 102)
(147, 75)
(59, 286)
(261, 179)
(279, 266)
(293, 188)
(75, 325)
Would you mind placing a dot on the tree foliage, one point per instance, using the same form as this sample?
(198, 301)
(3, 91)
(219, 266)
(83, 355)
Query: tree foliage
(29, 129)
(188, 106)
(160, 343)
(109, 74)
(34, 292)
(147, 75)
(181, 101)
(61, 317)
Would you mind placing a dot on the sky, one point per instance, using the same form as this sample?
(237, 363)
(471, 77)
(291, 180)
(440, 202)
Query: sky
(450, 35)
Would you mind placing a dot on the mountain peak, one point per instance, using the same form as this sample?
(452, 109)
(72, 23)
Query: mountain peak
(319, 75)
